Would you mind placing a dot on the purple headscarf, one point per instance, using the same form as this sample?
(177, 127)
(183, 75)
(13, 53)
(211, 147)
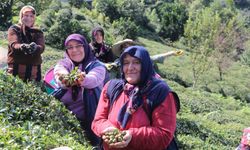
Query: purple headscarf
(87, 50)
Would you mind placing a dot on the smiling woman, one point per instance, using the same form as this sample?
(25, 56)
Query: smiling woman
(140, 105)
(26, 44)
(80, 78)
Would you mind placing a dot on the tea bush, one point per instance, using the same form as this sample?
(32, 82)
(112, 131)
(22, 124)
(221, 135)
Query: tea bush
(32, 119)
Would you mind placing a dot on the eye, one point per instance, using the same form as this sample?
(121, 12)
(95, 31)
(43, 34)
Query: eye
(137, 62)
(79, 46)
(69, 48)
(125, 62)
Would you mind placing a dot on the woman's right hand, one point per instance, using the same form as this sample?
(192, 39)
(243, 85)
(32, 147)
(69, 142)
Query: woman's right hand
(109, 129)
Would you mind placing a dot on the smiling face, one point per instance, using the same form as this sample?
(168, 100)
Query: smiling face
(28, 17)
(98, 37)
(75, 51)
(131, 69)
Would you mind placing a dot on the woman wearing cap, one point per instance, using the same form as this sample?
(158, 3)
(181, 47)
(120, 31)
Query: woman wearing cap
(26, 44)
(101, 50)
(125, 105)
(82, 95)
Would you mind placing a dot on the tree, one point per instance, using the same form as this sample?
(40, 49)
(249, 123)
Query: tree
(213, 33)
(6, 13)
(108, 7)
(172, 17)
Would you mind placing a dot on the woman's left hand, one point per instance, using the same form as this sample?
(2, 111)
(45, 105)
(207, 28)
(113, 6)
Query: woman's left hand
(126, 139)
(80, 78)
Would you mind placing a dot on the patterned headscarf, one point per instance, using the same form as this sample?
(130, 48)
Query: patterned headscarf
(94, 33)
(150, 87)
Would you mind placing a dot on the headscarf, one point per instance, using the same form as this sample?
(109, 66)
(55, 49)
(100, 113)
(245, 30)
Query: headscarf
(94, 33)
(24, 8)
(150, 87)
(87, 50)
(142, 54)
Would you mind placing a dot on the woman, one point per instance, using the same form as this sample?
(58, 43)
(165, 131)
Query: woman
(80, 96)
(100, 49)
(26, 44)
(127, 106)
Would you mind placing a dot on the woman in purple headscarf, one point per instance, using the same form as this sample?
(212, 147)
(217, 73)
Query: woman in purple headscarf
(139, 105)
(81, 97)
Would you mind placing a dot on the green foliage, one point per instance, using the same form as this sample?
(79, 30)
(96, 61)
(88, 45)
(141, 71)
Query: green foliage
(125, 27)
(134, 10)
(108, 7)
(65, 24)
(77, 3)
(6, 14)
(32, 119)
(172, 17)
(213, 33)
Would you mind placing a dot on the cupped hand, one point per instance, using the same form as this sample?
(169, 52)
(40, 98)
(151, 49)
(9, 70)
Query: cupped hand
(126, 140)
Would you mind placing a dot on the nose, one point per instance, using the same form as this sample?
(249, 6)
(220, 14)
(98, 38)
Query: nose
(131, 66)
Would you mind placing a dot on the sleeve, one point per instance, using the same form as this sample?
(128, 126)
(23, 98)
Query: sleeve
(101, 121)
(40, 41)
(59, 69)
(162, 130)
(94, 78)
(13, 39)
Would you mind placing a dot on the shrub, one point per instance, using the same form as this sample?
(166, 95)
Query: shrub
(30, 119)
(125, 27)
(64, 25)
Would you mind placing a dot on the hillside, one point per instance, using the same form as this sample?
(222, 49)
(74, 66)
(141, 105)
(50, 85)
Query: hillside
(211, 78)
(206, 120)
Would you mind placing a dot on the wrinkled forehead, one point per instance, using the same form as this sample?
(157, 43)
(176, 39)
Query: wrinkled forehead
(73, 42)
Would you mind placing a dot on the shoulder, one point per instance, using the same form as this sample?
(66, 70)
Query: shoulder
(15, 27)
(36, 30)
(96, 63)
(107, 46)
(65, 62)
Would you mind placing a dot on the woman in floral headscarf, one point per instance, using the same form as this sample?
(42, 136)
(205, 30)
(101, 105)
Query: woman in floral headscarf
(100, 49)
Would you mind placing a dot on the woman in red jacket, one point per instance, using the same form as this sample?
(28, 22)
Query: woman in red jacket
(130, 111)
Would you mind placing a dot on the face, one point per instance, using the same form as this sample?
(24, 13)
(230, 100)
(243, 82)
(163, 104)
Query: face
(98, 37)
(28, 18)
(124, 46)
(132, 69)
(75, 51)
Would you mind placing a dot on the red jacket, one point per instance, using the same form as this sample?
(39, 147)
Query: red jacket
(144, 136)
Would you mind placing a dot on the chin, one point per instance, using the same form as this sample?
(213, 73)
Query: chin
(132, 81)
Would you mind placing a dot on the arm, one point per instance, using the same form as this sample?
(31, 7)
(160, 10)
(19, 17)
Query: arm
(162, 130)
(59, 69)
(94, 78)
(40, 41)
(13, 39)
(101, 122)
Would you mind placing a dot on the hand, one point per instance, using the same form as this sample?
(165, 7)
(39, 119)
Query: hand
(33, 48)
(63, 81)
(109, 129)
(25, 48)
(80, 78)
(126, 139)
